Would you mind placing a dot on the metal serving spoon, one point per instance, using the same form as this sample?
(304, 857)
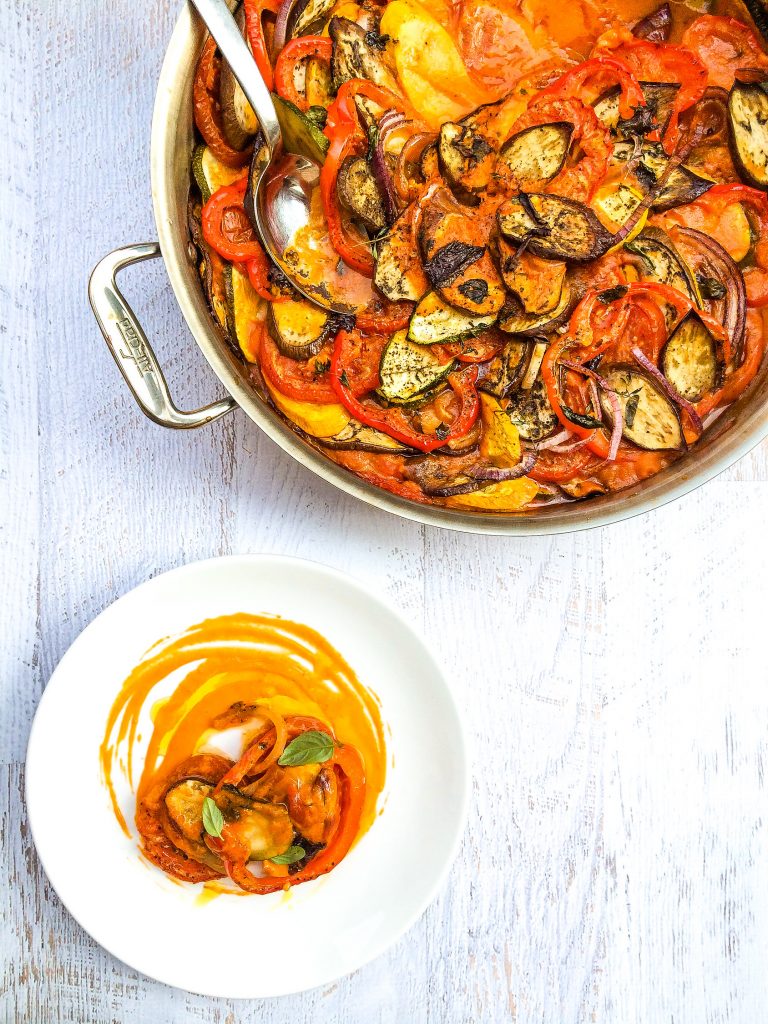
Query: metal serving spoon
(285, 180)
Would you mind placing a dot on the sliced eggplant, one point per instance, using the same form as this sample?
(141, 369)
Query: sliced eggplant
(184, 804)
(238, 120)
(359, 192)
(399, 274)
(748, 123)
(505, 370)
(659, 97)
(513, 318)
(650, 418)
(299, 327)
(308, 15)
(655, 27)
(466, 159)
(616, 205)
(554, 228)
(264, 829)
(530, 411)
(535, 155)
(539, 292)
(682, 186)
(300, 134)
(357, 436)
(245, 308)
(355, 57)
(660, 261)
(689, 359)
(435, 322)
(409, 371)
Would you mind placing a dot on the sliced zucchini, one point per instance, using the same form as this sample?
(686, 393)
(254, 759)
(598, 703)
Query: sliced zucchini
(650, 418)
(435, 322)
(505, 370)
(554, 228)
(466, 160)
(659, 97)
(748, 124)
(689, 359)
(264, 829)
(356, 436)
(359, 192)
(513, 318)
(399, 274)
(211, 174)
(409, 371)
(245, 309)
(354, 57)
(535, 155)
(538, 291)
(299, 327)
(614, 206)
(661, 262)
(530, 411)
(682, 186)
(300, 134)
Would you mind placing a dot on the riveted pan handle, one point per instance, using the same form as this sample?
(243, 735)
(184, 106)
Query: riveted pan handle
(131, 350)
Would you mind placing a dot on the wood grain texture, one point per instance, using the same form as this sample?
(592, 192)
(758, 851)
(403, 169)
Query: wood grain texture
(613, 682)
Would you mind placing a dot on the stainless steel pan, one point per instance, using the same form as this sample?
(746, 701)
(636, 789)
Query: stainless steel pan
(737, 430)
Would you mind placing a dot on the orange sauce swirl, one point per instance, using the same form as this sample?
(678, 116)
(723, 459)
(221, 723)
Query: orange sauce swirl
(254, 659)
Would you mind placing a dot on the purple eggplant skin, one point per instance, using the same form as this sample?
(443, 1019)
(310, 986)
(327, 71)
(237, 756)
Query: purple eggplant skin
(656, 27)
(748, 124)
(759, 12)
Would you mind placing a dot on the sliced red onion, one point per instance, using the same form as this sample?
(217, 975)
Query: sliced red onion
(671, 392)
(556, 439)
(618, 415)
(385, 181)
(722, 267)
(281, 25)
(571, 447)
(524, 466)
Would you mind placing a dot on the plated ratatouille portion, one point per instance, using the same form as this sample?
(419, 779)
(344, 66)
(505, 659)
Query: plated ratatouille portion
(549, 224)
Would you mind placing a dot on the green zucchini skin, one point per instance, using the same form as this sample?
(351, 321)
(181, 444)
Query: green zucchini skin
(434, 322)
(409, 372)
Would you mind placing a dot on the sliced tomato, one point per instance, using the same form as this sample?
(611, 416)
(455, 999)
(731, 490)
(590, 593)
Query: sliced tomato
(303, 380)
(724, 46)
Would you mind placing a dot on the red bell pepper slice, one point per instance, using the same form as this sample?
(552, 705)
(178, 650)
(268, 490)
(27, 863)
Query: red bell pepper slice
(226, 227)
(205, 103)
(572, 83)
(254, 14)
(294, 51)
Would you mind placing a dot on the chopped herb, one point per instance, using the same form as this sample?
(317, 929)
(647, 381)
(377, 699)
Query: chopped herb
(321, 366)
(373, 139)
(213, 819)
(344, 379)
(310, 747)
(290, 856)
(630, 409)
(612, 294)
(581, 419)
(441, 431)
(317, 115)
(375, 41)
(710, 287)
(633, 248)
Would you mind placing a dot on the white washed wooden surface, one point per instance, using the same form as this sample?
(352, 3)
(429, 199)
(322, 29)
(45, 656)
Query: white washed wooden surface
(614, 869)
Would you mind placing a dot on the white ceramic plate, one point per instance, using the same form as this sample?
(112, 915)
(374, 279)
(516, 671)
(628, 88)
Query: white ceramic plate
(261, 945)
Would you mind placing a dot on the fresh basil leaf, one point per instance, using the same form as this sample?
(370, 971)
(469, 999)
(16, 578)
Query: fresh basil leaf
(290, 856)
(581, 419)
(213, 819)
(310, 747)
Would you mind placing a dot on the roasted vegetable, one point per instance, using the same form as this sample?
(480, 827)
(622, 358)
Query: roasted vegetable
(245, 309)
(748, 123)
(553, 227)
(530, 411)
(536, 155)
(537, 283)
(209, 173)
(357, 436)
(505, 370)
(300, 134)
(354, 57)
(408, 371)
(659, 98)
(308, 15)
(466, 160)
(264, 829)
(184, 804)
(650, 419)
(299, 327)
(659, 260)
(359, 192)
(399, 274)
(237, 117)
(682, 186)
(514, 320)
(615, 204)
(435, 322)
(655, 27)
(213, 273)
(689, 359)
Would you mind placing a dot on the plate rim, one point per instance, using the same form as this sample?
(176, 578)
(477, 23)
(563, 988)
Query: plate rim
(461, 800)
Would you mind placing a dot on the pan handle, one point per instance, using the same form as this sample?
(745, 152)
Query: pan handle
(129, 345)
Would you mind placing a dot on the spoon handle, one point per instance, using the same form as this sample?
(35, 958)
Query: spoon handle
(224, 30)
